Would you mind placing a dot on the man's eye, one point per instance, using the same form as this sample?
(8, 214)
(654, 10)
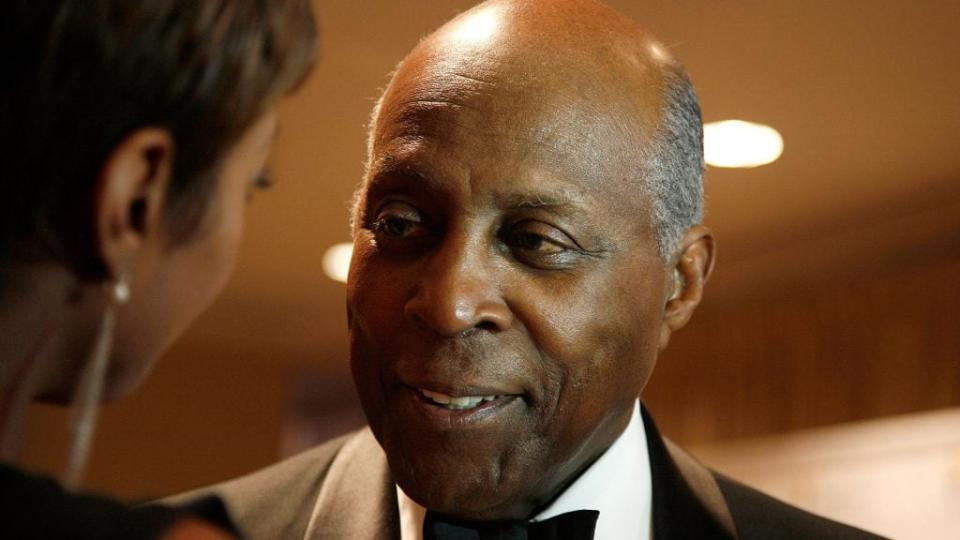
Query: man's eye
(393, 226)
(534, 242)
(397, 220)
(540, 245)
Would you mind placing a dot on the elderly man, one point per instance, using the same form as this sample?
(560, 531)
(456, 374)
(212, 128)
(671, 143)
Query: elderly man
(526, 241)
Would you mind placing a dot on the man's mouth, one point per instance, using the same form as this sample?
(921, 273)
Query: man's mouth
(461, 403)
(446, 405)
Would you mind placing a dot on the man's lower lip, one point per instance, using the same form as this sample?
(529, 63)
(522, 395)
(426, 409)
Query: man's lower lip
(456, 418)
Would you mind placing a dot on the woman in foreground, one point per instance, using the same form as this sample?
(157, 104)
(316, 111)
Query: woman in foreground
(132, 133)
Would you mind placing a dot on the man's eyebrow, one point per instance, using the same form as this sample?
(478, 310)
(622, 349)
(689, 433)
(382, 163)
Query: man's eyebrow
(397, 175)
(390, 165)
(560, 201)
(392, 174)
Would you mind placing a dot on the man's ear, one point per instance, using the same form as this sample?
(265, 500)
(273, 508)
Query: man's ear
(129, 200)
(693, 264)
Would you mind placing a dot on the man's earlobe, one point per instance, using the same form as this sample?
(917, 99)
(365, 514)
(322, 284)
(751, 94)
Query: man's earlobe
(690, 273)
(130, 195)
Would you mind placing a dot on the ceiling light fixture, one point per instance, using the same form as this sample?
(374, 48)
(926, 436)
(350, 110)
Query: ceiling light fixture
(336, 261)
(736, 143)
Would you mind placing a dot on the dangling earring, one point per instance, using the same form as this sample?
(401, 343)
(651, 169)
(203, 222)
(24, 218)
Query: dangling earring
(86, 402)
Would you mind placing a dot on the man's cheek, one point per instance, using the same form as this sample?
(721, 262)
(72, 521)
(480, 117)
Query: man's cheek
(377, 310)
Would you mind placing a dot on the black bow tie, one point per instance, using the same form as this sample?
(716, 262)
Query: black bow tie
(577, 525)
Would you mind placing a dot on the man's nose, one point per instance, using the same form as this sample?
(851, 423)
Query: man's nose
(459, 292)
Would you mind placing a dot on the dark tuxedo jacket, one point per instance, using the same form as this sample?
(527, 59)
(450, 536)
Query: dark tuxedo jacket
(343, 490)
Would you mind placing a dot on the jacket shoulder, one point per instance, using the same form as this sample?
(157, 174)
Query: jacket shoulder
(757, 515)
(277, 501)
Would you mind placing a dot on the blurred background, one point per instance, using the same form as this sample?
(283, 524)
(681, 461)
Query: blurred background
(824, 364)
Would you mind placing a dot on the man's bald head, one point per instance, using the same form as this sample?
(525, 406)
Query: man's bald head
(596, 74)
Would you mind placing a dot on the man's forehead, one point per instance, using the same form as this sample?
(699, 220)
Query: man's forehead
(420, 99)
(585, 120)
(571, 135)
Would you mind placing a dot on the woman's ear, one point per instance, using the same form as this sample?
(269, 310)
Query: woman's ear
(686, 278)
(130, 198)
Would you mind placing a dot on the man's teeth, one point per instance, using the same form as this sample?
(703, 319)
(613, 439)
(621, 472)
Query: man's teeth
(455, 403)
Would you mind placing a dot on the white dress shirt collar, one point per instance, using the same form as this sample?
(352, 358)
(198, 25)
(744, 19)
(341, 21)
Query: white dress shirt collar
(617, 484)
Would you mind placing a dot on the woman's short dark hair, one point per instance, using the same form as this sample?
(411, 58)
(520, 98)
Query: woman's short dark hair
(78, 76)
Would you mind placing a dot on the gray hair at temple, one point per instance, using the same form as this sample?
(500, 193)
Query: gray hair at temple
(672, 174)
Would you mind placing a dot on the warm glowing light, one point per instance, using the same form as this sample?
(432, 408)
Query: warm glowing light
(336, 261)
(658, 52)
(478, 27)
(735, 143)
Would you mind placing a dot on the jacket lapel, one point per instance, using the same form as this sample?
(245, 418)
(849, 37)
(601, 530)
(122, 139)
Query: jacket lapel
(687, 502)
(357, 500)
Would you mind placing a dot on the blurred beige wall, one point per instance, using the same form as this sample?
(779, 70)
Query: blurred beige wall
(899, 476)
(879, 342)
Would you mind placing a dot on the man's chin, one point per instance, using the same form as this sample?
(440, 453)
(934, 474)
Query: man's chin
(473, 505)
(473, 465)
(461, 492)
